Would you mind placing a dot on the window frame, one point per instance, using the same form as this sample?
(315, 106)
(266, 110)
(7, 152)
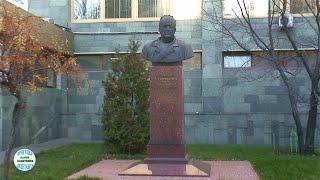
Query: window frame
(134, 13)
(186, 63)
(265, 16)
(236, 54)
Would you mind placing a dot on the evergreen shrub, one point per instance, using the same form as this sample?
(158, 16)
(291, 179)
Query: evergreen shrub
(125, 109)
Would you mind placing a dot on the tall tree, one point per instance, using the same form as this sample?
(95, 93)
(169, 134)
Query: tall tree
(243, 24)
(30, 47)
(125, 109)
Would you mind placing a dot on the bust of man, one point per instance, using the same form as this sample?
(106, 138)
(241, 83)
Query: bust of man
(167, 48)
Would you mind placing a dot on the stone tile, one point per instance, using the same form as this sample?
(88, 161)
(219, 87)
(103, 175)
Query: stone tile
(220, 136)
(79, 133)
(90, 99)
(268, 98)
(237, 108)
(232, 135)
(241, 137)
(212, 104)
(270, 107)
(237, 121)
(97, 133)
(230, 82)
(203, 132)
(220, 124)
(212, 71)
(212, 87)
(275, 90)
(190, 135)
(190, 99)
(251, 99)
(187, 87)
(192, 107)
(83, 108)
(58, 3)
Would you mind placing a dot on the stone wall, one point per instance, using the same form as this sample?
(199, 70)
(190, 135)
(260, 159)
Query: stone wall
(58, 10)
(82, 108)
(219, 106)
(43, 111)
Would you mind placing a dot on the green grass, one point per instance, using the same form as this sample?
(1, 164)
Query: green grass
(61, 162)
(264, 161)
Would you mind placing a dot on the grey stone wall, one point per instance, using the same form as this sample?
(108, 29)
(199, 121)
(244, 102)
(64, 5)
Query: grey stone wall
(82, 108)
(58, 10)
(219, 106)
(43, 111)
(6, 109)
(1, 118)
(106, 37)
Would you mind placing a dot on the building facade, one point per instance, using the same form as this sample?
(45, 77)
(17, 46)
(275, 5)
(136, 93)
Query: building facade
(221, 105)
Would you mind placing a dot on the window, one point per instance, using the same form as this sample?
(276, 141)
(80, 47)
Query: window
(255, 8)
(132, 10)
(295, 6)
(237, 61)
(93, 62)
(118, 8)
(186, 9)
(260, 8)
(193, 63)
(151, 8)
(86, 9)
(300, 6)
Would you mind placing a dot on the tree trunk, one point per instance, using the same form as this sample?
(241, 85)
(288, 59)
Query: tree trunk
(15, 128)
(296, 118)
(311, 125)
(294, 110)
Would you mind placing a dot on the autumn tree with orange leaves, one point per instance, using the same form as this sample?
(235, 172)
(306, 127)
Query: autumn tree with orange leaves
(29, 47)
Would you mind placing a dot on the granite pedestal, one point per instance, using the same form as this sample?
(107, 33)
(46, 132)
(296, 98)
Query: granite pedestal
(166, 149)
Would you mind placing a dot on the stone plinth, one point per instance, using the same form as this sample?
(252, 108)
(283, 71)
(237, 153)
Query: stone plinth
(166, 115)
(166, 149)
(191, 169)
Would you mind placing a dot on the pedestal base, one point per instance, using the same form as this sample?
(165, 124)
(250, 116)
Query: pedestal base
(192, 169)
(166, 160)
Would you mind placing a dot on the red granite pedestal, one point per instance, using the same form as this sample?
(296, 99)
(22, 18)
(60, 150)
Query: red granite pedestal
(166, 149)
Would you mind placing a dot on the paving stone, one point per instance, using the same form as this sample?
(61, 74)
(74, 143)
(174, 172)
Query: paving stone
(109, 169)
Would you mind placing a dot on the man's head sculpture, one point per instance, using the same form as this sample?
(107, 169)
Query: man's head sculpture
(167, 28)
(167, 49)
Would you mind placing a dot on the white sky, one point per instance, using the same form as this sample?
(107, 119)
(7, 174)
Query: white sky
(20, 3)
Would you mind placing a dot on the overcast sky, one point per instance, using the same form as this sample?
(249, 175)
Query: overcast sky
(21, 3)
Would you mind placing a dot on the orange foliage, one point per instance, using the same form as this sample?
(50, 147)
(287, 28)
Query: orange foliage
(29, 48)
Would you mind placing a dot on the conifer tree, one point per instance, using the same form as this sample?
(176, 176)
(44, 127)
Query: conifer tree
(125, 109)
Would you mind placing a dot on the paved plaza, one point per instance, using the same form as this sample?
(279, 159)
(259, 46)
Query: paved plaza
(220, 170)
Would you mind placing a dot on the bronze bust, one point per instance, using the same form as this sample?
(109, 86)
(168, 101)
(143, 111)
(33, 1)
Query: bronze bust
(167, 48)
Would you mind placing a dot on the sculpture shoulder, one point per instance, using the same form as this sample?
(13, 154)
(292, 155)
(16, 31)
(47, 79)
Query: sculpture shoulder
(148, 49)
(184, 45)
(186, 49)
(148, 45)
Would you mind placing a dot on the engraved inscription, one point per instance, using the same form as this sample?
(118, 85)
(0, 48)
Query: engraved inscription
(166, 81)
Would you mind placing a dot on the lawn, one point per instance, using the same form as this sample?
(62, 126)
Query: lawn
(60, 162)
(267, 164)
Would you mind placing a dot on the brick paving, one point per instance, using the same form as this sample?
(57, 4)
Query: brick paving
(220, 170)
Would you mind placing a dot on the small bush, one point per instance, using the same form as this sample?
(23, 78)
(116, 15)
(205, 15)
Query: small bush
(125, 109)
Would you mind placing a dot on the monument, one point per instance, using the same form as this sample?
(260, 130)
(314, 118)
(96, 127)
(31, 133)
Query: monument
(166, 151)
